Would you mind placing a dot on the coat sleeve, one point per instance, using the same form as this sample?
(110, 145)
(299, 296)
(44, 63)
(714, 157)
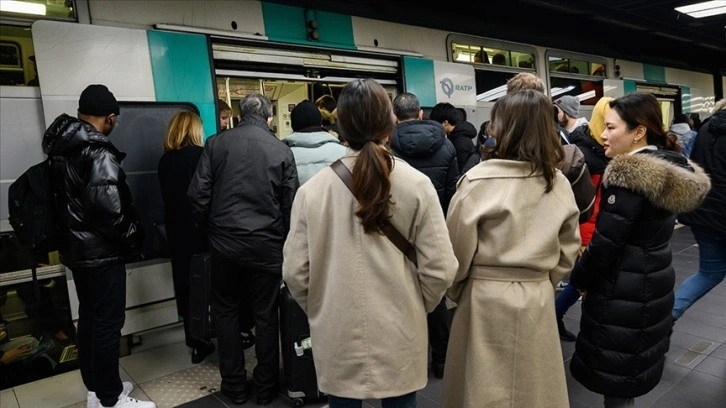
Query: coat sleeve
(462, 226)
(200, 189)
(295, 259)
(290, 184)
(436, 260)
(570, 242)
(619, 210)
(108, 202)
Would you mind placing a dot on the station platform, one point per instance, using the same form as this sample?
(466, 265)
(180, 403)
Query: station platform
(161, 370)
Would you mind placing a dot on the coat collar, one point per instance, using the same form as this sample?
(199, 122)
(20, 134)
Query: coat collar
(499, 168)
(672, 187)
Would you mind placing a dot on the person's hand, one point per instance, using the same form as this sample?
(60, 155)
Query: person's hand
(16, 353)
(583, 293)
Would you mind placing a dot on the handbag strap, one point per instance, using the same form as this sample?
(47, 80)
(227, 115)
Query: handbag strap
(391, 232)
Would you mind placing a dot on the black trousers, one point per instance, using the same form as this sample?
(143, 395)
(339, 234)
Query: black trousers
(101, 314)
(439, 321)
(234, 285)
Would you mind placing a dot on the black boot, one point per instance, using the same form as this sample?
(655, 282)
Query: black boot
(564, 334)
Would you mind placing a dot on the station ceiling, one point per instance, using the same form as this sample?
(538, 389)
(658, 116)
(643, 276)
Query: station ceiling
(648, 31)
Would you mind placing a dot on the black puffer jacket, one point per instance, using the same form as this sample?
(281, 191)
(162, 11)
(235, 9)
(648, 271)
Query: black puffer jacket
(466, 153)
(423, 145)
(628, 275)
(594, 153)
(97, 222)
(242, 191)
(709, 151)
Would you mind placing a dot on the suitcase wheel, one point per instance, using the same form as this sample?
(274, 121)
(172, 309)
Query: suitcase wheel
(298, 402)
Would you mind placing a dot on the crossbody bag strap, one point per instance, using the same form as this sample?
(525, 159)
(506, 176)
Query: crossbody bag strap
(391, 232)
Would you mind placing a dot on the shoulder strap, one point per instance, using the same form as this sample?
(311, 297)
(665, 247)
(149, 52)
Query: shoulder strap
(391, 232)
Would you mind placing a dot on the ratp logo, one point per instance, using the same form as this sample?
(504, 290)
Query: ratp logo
(448, 87)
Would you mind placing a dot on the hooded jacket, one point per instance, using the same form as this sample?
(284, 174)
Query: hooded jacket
(628, 274)
(685, 136)
(709, 151)
(313, 151)
(462, 137)
(423, 145)
(96, 219)
(242, 192)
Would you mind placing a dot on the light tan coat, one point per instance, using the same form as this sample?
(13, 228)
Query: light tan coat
(365, 301)
(514, 242)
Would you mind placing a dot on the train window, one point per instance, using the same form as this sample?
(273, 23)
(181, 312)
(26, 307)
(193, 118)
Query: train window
(479, 54)
(17, 59)
(494, 62)
(31, 11)
(577, 75)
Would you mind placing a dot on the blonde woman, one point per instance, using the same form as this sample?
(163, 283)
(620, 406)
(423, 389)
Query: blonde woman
(182, 149)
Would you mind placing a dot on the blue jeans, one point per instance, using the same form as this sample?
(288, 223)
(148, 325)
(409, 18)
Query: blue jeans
(711, 269)
(403, 401)
(566, 299)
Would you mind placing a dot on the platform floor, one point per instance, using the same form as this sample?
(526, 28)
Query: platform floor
(161, 370)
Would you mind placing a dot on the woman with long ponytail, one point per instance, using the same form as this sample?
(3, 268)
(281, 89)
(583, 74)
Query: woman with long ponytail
(365, 300)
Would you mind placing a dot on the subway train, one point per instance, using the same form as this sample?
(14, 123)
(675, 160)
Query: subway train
(159, 57)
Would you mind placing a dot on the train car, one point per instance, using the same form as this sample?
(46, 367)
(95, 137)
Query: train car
(159, 57)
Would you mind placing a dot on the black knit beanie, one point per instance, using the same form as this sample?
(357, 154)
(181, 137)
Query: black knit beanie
(305, 115)
(97, 100)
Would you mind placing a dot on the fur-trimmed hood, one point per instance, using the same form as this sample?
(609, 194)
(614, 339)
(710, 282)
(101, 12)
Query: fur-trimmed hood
(668, 184)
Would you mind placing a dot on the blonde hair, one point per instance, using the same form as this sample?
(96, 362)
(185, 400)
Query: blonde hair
(720, 105)
(184, 128)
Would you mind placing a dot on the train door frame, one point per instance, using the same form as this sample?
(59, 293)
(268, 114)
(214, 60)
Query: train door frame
(670, 94)
(288, 74)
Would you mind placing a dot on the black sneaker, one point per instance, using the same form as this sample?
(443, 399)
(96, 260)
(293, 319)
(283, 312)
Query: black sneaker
(237, 398)
(200, 353)
(564, 334)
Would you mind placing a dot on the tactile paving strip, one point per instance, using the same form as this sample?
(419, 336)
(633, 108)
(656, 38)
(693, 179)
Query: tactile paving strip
(184, 386)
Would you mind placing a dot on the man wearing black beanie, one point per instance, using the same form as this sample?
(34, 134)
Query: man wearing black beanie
(98, 233)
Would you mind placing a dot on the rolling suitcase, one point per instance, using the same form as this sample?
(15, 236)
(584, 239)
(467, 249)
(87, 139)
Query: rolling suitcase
(301, 382)
(201, 320)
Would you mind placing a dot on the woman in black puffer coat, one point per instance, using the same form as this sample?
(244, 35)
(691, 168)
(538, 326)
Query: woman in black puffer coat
(626, 274)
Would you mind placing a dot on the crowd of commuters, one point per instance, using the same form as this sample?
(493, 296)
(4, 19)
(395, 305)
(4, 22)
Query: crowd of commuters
(493, 222)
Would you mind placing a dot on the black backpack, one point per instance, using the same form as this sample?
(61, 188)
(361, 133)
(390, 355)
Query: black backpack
(30, 206)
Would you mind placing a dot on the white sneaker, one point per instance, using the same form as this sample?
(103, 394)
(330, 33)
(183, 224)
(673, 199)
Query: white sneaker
(130, 402)
(93, 402)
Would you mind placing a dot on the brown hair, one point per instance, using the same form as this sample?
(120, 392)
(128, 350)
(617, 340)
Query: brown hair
(525, 80)
(184, 128)
(365, 117)
(642, 109)
(525, 131)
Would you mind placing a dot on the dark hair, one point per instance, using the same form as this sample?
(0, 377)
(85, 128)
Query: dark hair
(365, 117)
(444, 111)
(406, 106)
(681, 118)
(642, 109)
(525, 131)
(462, 111)
(223, 106)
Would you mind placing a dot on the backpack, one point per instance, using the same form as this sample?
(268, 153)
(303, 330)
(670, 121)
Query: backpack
(575, 169)
(30, 207)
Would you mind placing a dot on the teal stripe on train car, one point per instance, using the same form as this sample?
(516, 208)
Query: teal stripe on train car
(419, 79)
(686, 99)
(654, 73)
(628, 86)
(182, 73)
(288, 24)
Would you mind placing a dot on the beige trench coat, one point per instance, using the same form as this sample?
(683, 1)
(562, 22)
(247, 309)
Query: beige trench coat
(514, 242)
(365, 301)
